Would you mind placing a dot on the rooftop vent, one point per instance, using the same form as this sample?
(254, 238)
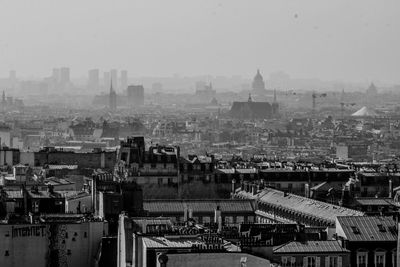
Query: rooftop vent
(355, 230)
(381, 228)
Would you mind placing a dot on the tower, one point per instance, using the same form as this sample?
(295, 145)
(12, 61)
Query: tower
(112, 98)
(93, 80)
(249, 99)
(275, 105)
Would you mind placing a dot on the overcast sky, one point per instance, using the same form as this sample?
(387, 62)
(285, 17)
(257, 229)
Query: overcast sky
(357, 40)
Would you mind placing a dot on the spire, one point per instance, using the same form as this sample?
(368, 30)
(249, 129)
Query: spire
(250, 100)
(111, 88)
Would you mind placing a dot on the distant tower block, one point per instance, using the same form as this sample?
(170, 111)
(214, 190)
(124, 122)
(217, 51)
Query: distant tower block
(135, 95)
(114, 78)
(124, 79)
(93, 80)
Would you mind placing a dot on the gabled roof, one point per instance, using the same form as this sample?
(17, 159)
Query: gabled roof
(331, 246)
(366, 228)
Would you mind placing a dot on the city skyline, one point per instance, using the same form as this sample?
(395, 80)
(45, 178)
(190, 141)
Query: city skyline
(354, 41)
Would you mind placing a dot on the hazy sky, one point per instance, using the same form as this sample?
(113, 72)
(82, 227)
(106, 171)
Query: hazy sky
(357, 40)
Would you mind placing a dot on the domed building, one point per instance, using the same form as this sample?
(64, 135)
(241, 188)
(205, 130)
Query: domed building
(372, 90)
(258, 84)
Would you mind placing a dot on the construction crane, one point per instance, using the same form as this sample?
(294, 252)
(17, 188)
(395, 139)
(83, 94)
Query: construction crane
(314, 97)
(343, 105)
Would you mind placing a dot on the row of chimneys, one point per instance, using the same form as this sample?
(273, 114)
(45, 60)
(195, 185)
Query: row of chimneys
(188, 215)
(250, 187)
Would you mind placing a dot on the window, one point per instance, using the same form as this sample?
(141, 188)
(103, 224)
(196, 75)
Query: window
(394, 255)
(362, 259)
(311, 261)
(380, 258)
(333, 261)
(288, 261)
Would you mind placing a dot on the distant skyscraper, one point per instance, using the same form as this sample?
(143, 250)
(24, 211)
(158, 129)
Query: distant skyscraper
(93, 80)
(112, 98)
(55, 75)
(64, 76)
(106, 79)
(135, 95)
(124, 79)
(13, 75)
(114, 78)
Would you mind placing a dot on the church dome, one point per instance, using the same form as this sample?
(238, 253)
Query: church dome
(258, 82)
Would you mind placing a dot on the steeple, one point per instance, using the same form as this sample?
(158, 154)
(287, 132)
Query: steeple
(111, 88)
(112, 98)
(250, 100)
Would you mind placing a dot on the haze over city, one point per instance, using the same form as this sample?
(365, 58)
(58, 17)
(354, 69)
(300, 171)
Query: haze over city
(354, 41)
(177, 133)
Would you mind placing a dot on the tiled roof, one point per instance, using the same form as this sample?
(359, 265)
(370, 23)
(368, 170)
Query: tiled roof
(331, 246)
(372, 201)
(174, 206)
(301, 204)
(366, 228)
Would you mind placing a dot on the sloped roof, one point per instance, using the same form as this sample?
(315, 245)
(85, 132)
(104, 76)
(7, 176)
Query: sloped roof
(331, 246)
(174, 206)
(366, 228)
(364, 111)
(311, 207)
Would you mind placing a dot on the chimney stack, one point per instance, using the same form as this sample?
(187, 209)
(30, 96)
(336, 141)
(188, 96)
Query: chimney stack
(217, 214)
(185, 214)
(190, 213)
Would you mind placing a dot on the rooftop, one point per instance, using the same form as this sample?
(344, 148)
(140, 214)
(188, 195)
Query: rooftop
(300, 204)
(366, 228)
(173, 206)
(331, 246)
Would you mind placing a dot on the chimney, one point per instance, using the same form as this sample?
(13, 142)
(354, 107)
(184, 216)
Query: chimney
(254, 189)
(307, 190)
(219, 224)
(185, 214)
(217, 214)
(50, 189)
(190, 213)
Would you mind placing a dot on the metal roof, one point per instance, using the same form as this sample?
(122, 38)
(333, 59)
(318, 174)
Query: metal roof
(365, 228)
(307, 206)
(331, 246)
(174, 206)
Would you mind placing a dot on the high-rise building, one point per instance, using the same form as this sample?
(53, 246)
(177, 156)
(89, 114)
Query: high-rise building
(135, 95)
(106, 79)
(124, 79)
(114, 78)
(55, 76)
(93, 80)
(64, 76)
(112, 98)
